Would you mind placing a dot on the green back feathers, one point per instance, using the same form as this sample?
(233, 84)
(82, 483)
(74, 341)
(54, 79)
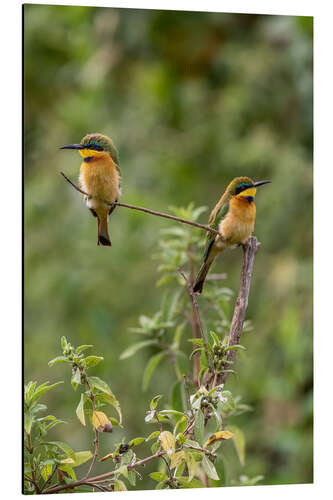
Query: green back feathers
(104, 142)
(221, 209)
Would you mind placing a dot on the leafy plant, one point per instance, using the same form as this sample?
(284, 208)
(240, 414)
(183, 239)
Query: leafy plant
(187, 442)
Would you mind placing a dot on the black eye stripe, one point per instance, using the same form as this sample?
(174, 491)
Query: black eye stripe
(93, 145)
(242, 187)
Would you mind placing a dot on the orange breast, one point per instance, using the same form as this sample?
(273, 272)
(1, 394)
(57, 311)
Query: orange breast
(238, 225)
(100, 178)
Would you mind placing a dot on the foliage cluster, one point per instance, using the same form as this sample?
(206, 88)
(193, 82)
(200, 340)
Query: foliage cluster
(191, 100)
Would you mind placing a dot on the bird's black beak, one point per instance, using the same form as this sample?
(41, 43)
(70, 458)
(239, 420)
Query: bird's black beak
(260, 183)
(73, 146)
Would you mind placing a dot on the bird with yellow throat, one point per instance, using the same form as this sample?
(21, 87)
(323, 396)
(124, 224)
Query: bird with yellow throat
(233, 216)
(99, 178)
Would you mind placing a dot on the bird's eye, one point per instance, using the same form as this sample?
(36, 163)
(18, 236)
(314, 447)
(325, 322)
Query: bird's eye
(95, 146)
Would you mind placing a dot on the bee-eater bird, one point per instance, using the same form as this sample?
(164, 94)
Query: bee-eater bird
(100, 178)
(233, 216)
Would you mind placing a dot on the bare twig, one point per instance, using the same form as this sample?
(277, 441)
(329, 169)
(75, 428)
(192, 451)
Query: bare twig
(197, 317)
(168, 467)
(96, 443)
(188, 396)
(146, 210)
(250, 248)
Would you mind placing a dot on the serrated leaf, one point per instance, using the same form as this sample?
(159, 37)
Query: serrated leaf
(80, 410)
(199, 427)
(158, 476)
(217, 436)
(93, 361)
(209, 468)
(150, 368)
(239, 442)
(136, 347)
(167, 441)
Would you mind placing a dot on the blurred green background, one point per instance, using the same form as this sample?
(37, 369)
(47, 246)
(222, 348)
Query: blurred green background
(191, 100)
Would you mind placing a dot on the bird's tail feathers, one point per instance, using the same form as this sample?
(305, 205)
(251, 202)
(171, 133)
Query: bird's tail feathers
(200, 279)
(103, 234)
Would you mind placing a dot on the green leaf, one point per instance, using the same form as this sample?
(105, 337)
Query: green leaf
(239, 442)
(41, 389)
(150, 368)
(136, 347)
(196, 341)
(153, 435)
(194, 483)
(82, 348)
(174, 413)
(119, 485)
(93, 361)
(63, 342)
(58, 359)
(136, 441)
(235, 346)
(28, 421)
(63, 446)
(154, 401)
(123, 470)
(80, 410)
(199, 427)
(132, 477)
(215, 337)
(158, 476)
(167, 441)
(100, 385)
(81, 457)
(103, 386)
(191, 463)
(46, 471)
(209, 468)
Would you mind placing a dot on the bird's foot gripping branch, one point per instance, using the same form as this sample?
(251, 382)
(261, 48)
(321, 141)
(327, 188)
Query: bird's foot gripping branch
(183, 434)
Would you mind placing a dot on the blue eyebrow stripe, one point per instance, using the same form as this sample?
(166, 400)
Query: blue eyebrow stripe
(92, 144)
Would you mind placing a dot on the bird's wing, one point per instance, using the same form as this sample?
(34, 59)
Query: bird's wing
(218, 213)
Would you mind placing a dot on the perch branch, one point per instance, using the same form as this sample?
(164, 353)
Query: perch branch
(250, 248)
(146, 210)
(89, 481)
(197, 317)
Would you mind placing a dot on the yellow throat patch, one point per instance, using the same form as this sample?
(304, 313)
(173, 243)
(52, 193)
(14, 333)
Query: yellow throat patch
(247, 192)
(90, 152)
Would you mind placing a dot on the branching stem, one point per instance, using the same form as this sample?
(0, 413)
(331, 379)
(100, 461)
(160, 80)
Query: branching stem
(146, 210)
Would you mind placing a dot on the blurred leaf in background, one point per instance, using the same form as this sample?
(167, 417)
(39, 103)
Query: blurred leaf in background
(191, 100)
